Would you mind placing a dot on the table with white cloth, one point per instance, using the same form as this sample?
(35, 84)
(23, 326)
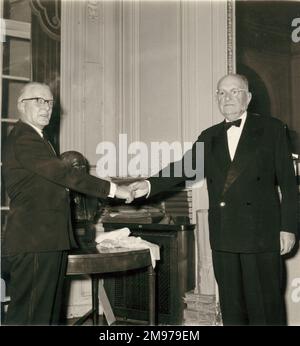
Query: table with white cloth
(96, 262)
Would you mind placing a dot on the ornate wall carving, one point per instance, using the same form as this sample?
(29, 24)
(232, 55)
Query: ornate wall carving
(48, 13)
(93, 9)
(231, 36)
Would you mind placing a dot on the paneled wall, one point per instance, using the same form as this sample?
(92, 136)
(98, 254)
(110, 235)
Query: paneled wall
(144, 68)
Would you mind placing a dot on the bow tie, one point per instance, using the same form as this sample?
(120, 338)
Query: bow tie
(227, 125)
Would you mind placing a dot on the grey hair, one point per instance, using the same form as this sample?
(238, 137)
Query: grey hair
(29, 86)
(240, 76)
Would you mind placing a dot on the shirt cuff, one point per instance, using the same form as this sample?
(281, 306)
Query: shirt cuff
(149, 188)
(112, 190)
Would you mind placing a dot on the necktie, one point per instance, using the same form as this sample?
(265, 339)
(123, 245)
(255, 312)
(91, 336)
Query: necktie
(227, 125)
(48, 142)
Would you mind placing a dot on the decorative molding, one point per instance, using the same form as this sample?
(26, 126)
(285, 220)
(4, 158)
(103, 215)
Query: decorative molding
(219, 42)
(180, 122)
(102, 67)
(120, 70)
(93, 9)
(231, 68)
(109, 31)
(48, 14)
(129, 69)
(204, 58)
(189, 70)
(135, 125)
(72, 76)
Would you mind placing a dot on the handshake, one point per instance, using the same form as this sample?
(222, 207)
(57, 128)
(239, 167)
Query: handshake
(132, 191)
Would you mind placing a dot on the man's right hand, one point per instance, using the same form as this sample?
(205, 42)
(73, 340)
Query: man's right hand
(140, 188)
(125, 192)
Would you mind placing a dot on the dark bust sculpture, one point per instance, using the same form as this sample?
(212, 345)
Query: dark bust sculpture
(84, 208)
(75, 159)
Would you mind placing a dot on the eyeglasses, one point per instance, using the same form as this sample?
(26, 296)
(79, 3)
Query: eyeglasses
(76, 165)
(40, 101)
(233, 92)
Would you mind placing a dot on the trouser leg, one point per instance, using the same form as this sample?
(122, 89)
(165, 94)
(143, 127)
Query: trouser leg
(262, 281)
(33, 287)
(58, 299)
(228, 273)
(249, 288)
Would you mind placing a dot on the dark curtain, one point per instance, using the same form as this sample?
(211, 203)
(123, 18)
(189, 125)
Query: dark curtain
(45, 32)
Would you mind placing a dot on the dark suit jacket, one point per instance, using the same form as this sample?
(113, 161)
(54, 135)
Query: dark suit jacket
(245, 213)
(36, 182)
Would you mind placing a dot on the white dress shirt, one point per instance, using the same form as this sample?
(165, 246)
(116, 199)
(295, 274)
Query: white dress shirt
(234, 134)
(39, 131)
(233, 137)
(112, 190)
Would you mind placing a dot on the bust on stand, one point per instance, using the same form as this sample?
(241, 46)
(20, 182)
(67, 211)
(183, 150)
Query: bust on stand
(85, 212)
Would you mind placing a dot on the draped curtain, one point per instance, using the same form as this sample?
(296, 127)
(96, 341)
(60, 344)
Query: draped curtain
(46, 55)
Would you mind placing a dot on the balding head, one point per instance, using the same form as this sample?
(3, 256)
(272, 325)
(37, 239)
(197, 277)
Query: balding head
(242, 80)
(35, 104)
(233, 96)
(30, 89)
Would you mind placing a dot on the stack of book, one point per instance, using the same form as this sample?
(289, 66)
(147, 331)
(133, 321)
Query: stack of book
(179, 204)
(200, 309)
(132, 214)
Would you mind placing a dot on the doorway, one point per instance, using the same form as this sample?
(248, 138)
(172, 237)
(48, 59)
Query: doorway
(269, 56)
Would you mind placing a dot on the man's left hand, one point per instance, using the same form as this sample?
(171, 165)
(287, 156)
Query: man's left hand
(287, 242)
(140, 188)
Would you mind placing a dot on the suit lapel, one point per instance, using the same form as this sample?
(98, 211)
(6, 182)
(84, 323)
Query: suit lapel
(27, 128)
(220, 152)
(245, 151)
(50, 147)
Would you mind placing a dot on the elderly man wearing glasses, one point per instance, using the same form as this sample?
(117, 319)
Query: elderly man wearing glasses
(38, 231)
(246, 157)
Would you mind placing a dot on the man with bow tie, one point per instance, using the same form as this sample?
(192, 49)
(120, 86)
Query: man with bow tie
(246, 159)
(38, 230)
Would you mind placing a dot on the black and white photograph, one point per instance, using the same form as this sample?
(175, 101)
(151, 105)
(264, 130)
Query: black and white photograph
(150, 165)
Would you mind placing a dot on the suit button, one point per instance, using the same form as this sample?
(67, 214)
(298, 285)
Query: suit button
(67, 189)
(222, 204)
